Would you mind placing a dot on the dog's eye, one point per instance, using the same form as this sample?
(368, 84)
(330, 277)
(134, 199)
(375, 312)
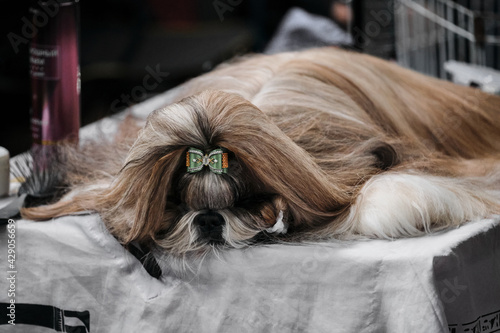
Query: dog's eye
(254, 202)
(174, 199)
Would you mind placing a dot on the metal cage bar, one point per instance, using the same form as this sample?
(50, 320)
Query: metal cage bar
(431, 32)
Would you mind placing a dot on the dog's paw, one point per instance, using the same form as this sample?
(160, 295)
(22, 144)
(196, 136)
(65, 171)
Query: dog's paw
(395, 205)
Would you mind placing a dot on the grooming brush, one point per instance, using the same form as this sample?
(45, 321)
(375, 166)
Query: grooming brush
(41, 183)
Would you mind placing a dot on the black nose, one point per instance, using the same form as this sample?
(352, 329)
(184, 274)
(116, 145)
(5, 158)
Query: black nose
(210, 225)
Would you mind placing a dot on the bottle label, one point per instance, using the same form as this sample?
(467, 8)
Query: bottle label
(44, 63)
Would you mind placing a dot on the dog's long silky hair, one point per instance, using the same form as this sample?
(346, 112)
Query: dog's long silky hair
(341, 143)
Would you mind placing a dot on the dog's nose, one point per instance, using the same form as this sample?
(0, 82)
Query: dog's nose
(210, 225)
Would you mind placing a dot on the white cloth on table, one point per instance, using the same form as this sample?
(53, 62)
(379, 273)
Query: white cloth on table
(446, 281)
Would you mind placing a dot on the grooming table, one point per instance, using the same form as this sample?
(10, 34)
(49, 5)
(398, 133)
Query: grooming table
(74, 274)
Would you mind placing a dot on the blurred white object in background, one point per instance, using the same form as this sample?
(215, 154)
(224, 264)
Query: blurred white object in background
(301, 30)
(484, 78)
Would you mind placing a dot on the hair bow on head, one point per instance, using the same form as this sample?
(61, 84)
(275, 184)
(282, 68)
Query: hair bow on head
(217, 160)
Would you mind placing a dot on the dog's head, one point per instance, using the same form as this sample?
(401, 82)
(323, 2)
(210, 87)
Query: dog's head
(211, 170)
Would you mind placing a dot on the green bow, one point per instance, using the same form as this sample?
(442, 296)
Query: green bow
(217, 160)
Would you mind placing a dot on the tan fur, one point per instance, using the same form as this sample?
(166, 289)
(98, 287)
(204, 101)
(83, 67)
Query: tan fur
(307, 130)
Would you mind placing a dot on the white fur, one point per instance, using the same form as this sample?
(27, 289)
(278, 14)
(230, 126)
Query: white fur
(279, 227)
(394, 205)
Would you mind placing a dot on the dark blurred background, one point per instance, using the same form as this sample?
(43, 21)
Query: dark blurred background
(121, 41)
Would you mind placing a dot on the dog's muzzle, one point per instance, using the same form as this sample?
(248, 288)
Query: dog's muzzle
(210, 226)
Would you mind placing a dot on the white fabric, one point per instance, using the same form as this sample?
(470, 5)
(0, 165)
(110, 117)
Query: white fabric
(300, 30)
(410, 285)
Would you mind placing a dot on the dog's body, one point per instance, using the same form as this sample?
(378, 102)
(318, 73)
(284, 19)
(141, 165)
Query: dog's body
(340, 143)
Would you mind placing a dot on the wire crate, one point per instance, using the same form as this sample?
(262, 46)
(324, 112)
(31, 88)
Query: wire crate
(430, 33)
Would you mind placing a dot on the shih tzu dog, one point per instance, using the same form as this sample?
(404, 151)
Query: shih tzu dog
(299, 146)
